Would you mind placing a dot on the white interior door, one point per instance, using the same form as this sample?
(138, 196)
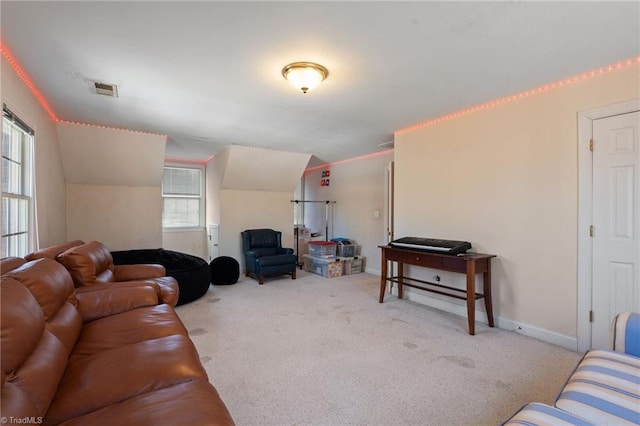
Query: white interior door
(388, 195)
(214, 238)
(616, 219)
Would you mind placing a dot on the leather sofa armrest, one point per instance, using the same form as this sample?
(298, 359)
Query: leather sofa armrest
(138, 272)
(101, 300)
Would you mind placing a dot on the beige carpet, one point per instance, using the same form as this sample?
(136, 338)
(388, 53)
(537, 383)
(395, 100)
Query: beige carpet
(318, 351)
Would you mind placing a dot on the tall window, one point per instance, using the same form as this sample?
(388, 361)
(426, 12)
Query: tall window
(18, 222)
(183, 201)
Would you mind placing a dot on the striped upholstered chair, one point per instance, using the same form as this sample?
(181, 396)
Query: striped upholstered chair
(605, 386)
(604, 389)
(625, 333)
(537, 414)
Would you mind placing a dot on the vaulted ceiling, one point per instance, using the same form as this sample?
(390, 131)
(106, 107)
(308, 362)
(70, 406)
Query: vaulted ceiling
(208, 73)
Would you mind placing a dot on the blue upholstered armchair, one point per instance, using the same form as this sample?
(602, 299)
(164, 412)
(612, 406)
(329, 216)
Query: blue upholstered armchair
(264, 254)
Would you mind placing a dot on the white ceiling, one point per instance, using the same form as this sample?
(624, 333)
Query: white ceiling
(207, 74)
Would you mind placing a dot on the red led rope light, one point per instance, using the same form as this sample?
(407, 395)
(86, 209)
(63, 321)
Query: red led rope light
(545, 88)
(622, 64)
(27, 81)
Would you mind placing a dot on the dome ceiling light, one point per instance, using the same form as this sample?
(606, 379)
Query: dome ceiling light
(304, 75)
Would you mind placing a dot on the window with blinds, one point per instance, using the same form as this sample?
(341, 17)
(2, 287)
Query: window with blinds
(17, 186)
(182, 194)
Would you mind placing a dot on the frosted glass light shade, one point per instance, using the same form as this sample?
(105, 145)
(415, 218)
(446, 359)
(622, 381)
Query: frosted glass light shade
(304, 75)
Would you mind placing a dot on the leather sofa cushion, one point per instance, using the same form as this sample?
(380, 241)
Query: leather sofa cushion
(41, 373)
(128, 328)
(52, 252)
(38, 304)
(51, 286)
(49, 283)
(9, 263)
(104, 300)
(168, 288)
(188, 403)
(16, 401)
(22, 324)
(88, 263)
(33, 359)
(135, 272)
(124, 372)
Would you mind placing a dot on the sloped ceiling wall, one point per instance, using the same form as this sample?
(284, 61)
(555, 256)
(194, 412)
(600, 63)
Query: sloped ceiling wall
(105, 156)
(114, 180)
(258, 169)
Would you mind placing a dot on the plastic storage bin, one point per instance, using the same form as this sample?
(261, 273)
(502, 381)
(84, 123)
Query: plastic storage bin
(322, 248)
(346, 250)
(346, 247)
(329, 268)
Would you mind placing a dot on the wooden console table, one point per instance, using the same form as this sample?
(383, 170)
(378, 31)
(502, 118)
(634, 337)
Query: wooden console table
(469, 264)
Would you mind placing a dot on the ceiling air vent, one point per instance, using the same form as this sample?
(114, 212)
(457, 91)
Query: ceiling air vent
(106, 89)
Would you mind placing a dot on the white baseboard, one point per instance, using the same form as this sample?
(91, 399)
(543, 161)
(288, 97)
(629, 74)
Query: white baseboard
(568, 342)
(555, 338)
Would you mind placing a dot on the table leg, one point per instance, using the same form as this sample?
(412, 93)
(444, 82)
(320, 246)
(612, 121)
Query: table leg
(471, 296)
(383, 276)
(486, 288)
(400, 278)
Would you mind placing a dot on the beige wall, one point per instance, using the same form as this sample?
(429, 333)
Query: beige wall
(107, 156)
(194, 242)
(50, 179)
(358, 188)
(506, 179)
(250, 210)
(122, 217)
(214, 172)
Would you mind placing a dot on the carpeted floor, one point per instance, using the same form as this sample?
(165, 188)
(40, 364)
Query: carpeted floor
(318, 351)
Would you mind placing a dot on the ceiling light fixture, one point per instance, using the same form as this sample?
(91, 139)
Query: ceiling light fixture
(304, 75)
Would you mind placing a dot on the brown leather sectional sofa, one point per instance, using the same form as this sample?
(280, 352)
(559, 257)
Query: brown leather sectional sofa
(91, 263)
(102, 354)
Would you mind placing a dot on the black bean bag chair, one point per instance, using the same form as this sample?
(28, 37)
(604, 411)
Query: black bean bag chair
(192, 273)
(225, 270)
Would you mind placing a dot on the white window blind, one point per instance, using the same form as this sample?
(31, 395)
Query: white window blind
(182, 197)
(18, 220)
